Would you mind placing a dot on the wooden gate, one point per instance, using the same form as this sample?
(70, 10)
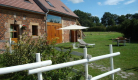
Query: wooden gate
(53, 32)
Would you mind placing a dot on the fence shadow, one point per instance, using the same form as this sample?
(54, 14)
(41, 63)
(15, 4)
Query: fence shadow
(133, 69)
(117, 45)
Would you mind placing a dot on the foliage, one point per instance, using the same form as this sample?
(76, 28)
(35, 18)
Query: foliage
(97, 28)
(24, 52)
(109, 19)
(86, 19)
(130, 28)
(114, 28)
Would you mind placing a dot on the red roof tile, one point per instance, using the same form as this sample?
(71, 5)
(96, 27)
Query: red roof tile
(58, 7)
(32, 6)
(22, 5)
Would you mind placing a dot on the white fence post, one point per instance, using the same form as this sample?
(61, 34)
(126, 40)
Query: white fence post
(38, 59)
(111, 61)
(86, 64)
(10, 45)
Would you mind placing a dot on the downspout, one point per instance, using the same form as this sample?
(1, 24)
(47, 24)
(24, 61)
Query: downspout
(46, 23)
(45, 12)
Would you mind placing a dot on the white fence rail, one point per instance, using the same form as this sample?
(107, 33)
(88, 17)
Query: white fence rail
(42, 66)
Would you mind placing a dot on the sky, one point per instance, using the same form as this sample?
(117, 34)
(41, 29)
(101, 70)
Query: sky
(99, 7)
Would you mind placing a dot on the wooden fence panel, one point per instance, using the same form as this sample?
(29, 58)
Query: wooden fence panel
(53, 32)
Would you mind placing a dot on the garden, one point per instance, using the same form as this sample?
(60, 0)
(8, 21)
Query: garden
(127, 60)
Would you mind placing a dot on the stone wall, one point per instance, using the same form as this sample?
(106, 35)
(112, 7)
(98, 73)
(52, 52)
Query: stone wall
(7, 18)
(66, 34)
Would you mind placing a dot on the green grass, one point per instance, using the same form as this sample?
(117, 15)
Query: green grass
(127, 60)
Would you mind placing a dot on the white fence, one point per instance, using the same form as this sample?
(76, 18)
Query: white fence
(40, 69)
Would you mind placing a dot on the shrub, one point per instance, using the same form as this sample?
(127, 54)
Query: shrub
(24, 52)
(130, 28)
(97, 28)
(116, 28)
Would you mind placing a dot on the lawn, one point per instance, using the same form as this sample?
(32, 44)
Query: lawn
(127, 60)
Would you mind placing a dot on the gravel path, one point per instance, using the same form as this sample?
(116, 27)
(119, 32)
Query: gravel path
(102, 68)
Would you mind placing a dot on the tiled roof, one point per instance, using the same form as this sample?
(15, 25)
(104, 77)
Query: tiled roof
(57, 7)
(21, 4)
(32, 6)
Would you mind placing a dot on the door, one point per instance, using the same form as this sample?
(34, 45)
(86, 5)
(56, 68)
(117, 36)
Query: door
(14, 32)
(74, 36)
(53, 32)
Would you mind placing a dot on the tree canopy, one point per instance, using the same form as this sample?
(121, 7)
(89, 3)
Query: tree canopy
(126, 24)
(86, 19)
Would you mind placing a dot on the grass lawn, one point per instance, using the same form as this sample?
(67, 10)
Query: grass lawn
(127, 61)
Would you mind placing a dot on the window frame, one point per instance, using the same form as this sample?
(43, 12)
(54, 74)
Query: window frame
(27, 1)
(49, 3)
(64, 8)
(58, 18)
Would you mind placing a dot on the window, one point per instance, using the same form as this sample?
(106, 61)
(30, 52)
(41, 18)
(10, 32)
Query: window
(65, 9)
(49, 3)
(34, 30)
(54, 19)
(14, 29)
(27, 1)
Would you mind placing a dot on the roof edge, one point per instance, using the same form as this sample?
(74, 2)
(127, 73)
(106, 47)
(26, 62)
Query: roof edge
(21, 9)
(63, 13)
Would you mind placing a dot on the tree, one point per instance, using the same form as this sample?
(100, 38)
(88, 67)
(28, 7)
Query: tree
(96, 20)
(111, 22)
(128, 16)
(115, 18)
(107, 17)
(130, 28)
(121, 19)
(135, 16)
(86, 19)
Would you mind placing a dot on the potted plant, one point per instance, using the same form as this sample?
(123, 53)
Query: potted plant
(24, 27)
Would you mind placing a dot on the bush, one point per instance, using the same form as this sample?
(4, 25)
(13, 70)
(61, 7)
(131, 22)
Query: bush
(97, 28)
(116, 28)
(24, 52)
(130, 28)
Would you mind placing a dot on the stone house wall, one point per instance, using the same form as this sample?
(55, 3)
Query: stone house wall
(66, 34)
(7, 18)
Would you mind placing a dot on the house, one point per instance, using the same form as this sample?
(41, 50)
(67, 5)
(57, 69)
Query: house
(38, 16)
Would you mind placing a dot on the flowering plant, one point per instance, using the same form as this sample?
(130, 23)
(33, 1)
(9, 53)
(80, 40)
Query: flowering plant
(24, 26)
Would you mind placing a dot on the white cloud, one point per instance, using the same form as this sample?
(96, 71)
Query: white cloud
(99, 3)
(129, 2)
(76, 1)
(112, 2)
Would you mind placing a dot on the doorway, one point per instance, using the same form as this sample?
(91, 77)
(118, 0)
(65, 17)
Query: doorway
(74, 36)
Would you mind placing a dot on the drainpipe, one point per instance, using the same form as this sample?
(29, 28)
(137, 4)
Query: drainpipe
(46, 22)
